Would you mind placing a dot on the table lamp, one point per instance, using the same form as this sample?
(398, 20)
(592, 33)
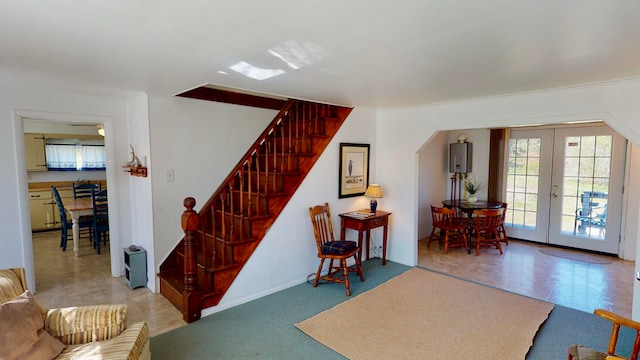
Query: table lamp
(373, 191)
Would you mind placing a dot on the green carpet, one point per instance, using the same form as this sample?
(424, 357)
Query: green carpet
(264, 328)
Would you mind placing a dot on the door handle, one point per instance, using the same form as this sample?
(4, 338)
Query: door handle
(555, 195)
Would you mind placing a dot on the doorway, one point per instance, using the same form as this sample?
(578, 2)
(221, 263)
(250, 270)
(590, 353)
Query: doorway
(564, 186)
(81, 155)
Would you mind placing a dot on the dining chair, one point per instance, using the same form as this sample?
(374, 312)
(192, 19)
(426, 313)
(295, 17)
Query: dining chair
(579, 352)
(65, 224)
(446, 227)
(484, 225)
(84, 189)
(329, 248)
(100, 218)
(501, 230)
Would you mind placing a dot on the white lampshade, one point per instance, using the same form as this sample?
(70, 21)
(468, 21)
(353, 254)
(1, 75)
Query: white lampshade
(373, 191)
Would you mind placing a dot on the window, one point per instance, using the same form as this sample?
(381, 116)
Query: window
(65, 155)
(93, 157)
(61, 157)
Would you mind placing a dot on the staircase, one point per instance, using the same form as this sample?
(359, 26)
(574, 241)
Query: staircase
(220, 239)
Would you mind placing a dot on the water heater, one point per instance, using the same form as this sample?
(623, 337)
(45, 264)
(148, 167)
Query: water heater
(460, 157)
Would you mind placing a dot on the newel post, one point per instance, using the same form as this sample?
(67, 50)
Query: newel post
(191, 295)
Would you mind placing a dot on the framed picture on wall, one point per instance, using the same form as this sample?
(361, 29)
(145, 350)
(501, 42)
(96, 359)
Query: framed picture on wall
(354, 169)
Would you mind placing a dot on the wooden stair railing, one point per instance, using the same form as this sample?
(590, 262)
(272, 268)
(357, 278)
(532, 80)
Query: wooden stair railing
(220, 239)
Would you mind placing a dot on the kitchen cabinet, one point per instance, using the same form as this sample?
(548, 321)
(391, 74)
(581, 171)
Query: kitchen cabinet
(41, 206)
(35, 152)
(44, 210)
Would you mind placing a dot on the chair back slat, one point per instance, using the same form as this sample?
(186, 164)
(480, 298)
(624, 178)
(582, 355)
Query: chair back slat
(442, 216)
(100, 217)
(338, 250)
(84, 190)
(487, 219)
(322, 227)
(485, 224)
(56, 196)
(448, 228)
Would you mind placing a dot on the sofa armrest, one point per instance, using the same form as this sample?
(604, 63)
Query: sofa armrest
(83, 324)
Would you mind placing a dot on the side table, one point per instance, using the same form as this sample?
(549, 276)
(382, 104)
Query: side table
(354, 221)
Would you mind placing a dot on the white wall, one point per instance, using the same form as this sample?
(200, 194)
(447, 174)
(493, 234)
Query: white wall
(406, 130)
(140, 199)
(480, 138)
(434, 178)
(287, 254)
(53, 105)
(432, 164)
(395, 142)
(202, 141)
(631, 207)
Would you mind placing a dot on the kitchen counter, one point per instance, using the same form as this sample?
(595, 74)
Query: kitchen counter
(61, 185)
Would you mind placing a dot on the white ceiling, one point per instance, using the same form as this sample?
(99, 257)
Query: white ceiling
(352, 52)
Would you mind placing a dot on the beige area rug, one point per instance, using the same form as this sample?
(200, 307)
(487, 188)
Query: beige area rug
(425, 315)
(577, 256)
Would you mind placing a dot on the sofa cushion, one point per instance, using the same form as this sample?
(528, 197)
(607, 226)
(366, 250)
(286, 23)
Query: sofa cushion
(22, 333)
(10, 285)
(132, 344)
(83, 324)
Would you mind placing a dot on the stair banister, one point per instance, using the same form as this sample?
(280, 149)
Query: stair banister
(191, 296)
(261, 139)
(219, 239)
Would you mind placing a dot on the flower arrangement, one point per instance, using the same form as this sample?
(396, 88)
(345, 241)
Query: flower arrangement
(472, 186)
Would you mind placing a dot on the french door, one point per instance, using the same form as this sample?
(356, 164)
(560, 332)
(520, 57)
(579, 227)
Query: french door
(564, 186)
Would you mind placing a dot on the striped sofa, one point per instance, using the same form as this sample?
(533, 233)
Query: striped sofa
(83, 332)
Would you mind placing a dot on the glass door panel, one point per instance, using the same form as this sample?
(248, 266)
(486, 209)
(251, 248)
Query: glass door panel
(589, 178)
(528, 169)
(564, 184)
(586, 185)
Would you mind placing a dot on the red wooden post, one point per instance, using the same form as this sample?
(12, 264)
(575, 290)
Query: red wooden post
(191, 296)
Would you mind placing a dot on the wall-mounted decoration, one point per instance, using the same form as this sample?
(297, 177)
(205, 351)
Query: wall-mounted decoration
(135, 167)
(354, 169)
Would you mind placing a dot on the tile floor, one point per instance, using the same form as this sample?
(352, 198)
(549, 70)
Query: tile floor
(63, 280)
(525, 270)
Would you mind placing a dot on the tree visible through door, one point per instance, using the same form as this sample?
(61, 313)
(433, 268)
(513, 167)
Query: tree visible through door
(564, 185)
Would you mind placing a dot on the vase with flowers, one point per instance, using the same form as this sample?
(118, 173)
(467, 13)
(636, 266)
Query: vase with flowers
(472, 186)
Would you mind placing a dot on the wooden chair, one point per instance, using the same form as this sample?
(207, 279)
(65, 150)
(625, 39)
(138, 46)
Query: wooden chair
(445, 223)
(66, 225)
(329, 248)
(100, 218)
(485, 225)
(501, 231)
(84, 189)
(579, 352)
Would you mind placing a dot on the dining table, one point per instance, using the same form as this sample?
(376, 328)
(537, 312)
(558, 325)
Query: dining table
(468, 208)
(78, 207)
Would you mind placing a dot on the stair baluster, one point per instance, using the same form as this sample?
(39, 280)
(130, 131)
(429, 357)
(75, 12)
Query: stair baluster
(219, 240)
